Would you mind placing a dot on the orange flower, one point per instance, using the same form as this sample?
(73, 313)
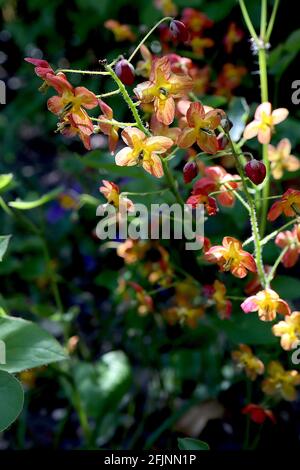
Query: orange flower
(223, 305)
(167, 7)
(71, 101)
(200, 44)
(200, 195)
(157, 128)
(195, 20)
(258, 414)
(264, 121)
(289, 331)
(42, 67)
(83, 130)
(185, 315)
(281, 159)
(111, 192)
(246, 360)
(143, 67)
(200, 79)
(231, 257)
(223, 182)
(108, 129)
(280, 382)
(229, 78)
(267, 302)
(143, 150)
(290, 239)
(201, 128)
(132, 250)
(233, 36)
(163, 88)
(289, 205)
(122, 32)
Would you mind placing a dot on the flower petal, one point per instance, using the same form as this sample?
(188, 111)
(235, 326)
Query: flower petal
(125, 157)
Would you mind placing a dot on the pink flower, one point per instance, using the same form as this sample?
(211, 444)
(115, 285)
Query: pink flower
(264, 121)
(267, 303)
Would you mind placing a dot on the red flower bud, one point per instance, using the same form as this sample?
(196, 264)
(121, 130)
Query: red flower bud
(222, 141)
(256, 171)
(179, 31)
(190, 171)
(125, 71)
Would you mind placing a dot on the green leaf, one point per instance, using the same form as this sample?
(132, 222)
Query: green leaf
(27, 205)
(5, 180)
(11, 399)
(187, 443)
(27, 345)
(247, 328)
(4, 240)
(102, 385)
(287, 287)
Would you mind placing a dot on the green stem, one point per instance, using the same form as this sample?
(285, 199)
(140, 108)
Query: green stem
(115, 123)
(171, 182)
(248, 21)
(128, 101)
(167, 18)
(83, 72)
(272, 21)
(273, 234)
(275, 266)
(263, 18)
(52, 277)
(109, 93)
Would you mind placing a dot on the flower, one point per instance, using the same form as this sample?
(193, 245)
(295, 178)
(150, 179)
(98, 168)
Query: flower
(42, 67)
(258, 414)
(132, 250)
(223, 305)
(144, 300)
(200, 44)
(200, 195)
(280, 382)
(289, 205)
(108, 129)
(264, 121)
(201, 127)
(281, 159)
(167, 7)
(291, 240)
(69, 128)
(231, 257)
(233, 36)
(111, 192)
(195, 20)
(122, 32)
(223, 182)
(143, 67)
(229, 78)
(289, 331)
(267, 302)
(163, 88)
(143, 150)
(200, 77)
(246, 360)
(157, 128)
(71, 102)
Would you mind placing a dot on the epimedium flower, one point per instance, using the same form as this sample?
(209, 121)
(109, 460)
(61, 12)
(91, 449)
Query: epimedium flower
(289, 239)
(167, 7)
(201, 128)
(289, 331)
(281, 383)
(264, 122)
(200, 195)
(143, 67)
(248, 362)
(157, 128)
(195, 20)
(223, 305)
(258, 414)
(84, 129)
(163, 88)
(233, 36)
(145, 302)
(71, 101)
(111, 192)
(281, 159)
(288, 204)
(231, 257)
(122, 32)
(229, 78)
(224, 182)
(143, 150)
(41, 67)
(267, 303)
(200, 44)
(108, 129)
(184, 315)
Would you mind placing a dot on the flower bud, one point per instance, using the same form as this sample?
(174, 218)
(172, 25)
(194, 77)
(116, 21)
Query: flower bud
(190, 171)
(256, 171)
(222, 141)
(179, 31)
(125, 71)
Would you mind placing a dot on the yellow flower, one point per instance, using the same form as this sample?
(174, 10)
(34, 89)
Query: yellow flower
(281, 159)
(280, 382)
(289, 331)
(143, 150)
(264, 121)
(246, 360)
(267, 303)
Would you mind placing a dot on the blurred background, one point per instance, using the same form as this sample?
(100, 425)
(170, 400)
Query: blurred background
(143, 382)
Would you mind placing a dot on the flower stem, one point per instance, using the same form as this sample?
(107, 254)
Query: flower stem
(83, 72)
(273, 234)
(248, 21)
(128, 100)
(272, 20)
(275, 266)
(167, 18)
(115, 123)
(171, 182)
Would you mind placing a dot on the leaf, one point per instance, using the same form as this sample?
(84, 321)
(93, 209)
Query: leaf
(247, 328)
(103, 385)
(11, 399)
(187, 443)
(287, 287)
(27, 205)
(5, 180)
(4, 240)
(27, 345)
